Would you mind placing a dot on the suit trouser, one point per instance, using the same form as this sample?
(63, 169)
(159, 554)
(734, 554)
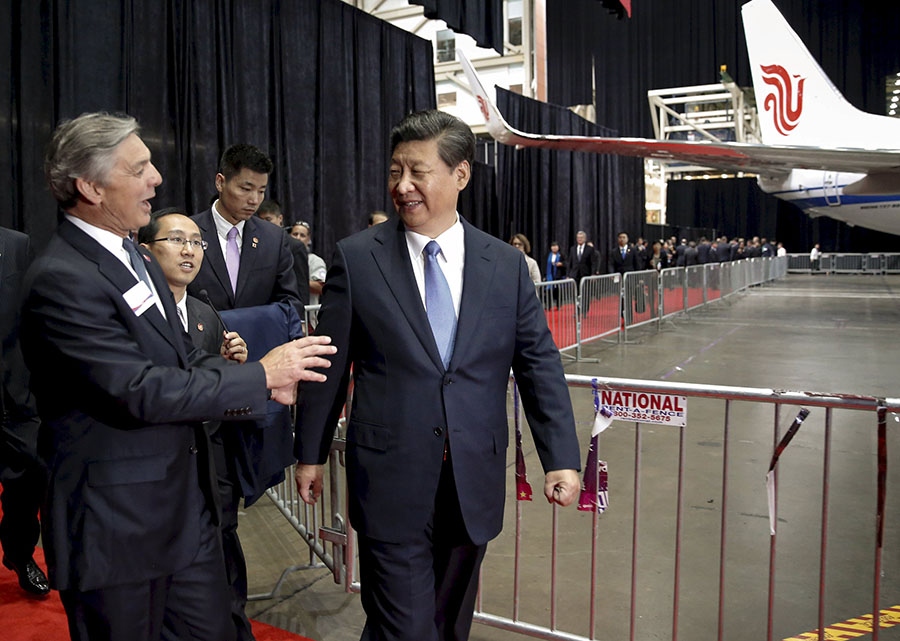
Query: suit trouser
(187, 605)
(235, 565)
(423, 589)
(21, 500)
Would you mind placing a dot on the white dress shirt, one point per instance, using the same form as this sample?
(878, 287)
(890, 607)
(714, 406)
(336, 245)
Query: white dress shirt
(451, 259)
(113, 244)
(223, 227)
(182, 305)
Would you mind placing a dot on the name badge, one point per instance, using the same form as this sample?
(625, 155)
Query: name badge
(139, 298)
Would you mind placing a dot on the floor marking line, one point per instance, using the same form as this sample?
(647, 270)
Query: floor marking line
(693, 356)
(854, 627)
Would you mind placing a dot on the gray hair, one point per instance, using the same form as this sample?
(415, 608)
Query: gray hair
(455, 139)
(84, 147)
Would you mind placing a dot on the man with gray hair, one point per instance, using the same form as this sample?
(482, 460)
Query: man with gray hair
(129, 519)
(431, 313)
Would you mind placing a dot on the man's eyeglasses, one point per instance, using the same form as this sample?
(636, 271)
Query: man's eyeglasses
(178, 240)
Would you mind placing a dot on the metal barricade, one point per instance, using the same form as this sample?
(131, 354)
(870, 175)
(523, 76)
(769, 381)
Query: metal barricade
(847, 263)
(620, 581)
(872, 264)
(694, 286)
(639, 299)
(713, 271)
(601, 303)
(890, 263)
(798, 263)
(558, 300)
(725, 273)
(673, 291)
(318, 525)
(685, 476)
(826, 263)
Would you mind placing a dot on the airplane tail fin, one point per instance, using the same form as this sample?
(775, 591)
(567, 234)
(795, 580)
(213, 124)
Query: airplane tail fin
(796, 102)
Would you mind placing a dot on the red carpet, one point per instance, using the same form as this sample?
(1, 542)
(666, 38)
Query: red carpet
(25, 618)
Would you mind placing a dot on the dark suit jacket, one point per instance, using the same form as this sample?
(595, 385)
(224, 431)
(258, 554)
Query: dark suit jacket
(121, 398)
(405, 404)
(18, 415)
(703, 253)
(622, 265)
(723, 252)
(266, 273)
(691, 257)
(204, 327)
(586, 266)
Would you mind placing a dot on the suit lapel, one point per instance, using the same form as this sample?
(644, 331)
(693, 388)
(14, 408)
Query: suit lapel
(113, 269)
(249, 252)
(478, 272)
(392, 256)
(213, 256)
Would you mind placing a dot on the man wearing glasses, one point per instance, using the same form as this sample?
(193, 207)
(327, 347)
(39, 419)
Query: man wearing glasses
(175, 242)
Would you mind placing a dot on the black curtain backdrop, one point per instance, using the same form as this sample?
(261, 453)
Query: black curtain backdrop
(673, 44)
(480, 19)
(737, 207)
(550, 195)
(315, 83)
(478, 201)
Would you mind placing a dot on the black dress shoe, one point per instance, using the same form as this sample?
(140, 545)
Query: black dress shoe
(31, 577)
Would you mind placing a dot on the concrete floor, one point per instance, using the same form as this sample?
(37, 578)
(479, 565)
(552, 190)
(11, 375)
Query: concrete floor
(822, 333)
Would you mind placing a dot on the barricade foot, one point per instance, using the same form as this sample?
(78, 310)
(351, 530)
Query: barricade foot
(263, 596)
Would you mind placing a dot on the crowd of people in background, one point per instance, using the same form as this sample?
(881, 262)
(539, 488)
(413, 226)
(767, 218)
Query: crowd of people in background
(583, 258)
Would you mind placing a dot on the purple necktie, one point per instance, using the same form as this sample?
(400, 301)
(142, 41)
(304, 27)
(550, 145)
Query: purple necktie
(232, 257)
(439, 304)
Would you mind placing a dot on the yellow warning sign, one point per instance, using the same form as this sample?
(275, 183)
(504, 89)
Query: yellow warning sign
(853, 628)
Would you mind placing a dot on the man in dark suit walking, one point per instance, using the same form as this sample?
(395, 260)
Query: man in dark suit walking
(623, 258)
(129, 520)
(431, 313)
(20, 471)
(582, 259)
(248, 262)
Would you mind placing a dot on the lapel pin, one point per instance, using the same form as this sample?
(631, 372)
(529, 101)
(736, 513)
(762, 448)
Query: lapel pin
(255, 241)
(199, 327)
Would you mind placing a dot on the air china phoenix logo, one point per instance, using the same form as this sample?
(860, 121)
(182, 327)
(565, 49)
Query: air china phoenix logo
(786, 100)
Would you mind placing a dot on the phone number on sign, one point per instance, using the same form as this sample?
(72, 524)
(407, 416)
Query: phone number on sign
(644, 417)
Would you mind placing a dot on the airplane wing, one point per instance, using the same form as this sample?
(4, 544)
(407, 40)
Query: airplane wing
(732, 156)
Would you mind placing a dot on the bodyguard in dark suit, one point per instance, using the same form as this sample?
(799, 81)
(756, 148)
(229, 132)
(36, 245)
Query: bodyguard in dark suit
(431, 313)
(703, 251)
(248, 262)
(583, 259)
(129, 524)
(20, 471)
(723, 250)
(691, 255)
(623, 258)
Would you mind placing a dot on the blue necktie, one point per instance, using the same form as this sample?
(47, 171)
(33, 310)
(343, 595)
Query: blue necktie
(439, 304)
(137, 261)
